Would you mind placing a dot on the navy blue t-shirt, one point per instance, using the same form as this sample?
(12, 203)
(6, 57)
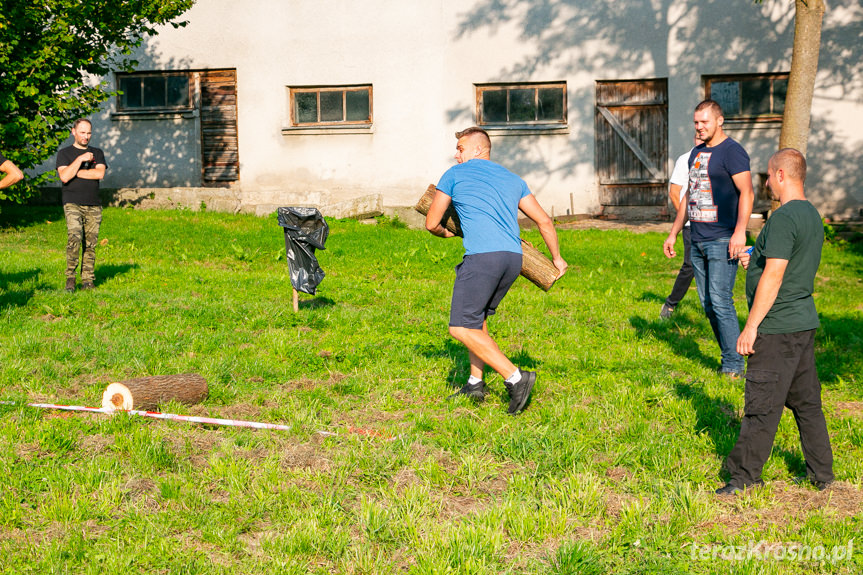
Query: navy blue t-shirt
(713, 197)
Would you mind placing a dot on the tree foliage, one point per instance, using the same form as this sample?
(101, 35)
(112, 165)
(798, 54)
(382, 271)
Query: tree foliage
(52, 54)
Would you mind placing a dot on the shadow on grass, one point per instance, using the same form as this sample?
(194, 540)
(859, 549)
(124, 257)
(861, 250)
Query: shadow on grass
(314, 302)
(838, 347)
(460, 368)
(669, 332)
(719, 419)
(18, 216)
(654, 297)
(13, 291)
(106, 272)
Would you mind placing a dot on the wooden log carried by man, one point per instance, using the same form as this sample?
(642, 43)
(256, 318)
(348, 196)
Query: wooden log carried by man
(535, 267)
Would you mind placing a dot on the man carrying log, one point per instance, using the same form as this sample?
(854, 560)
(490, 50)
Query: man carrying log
(486, 196)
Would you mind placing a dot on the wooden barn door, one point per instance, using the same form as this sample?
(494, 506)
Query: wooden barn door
(632, 145)
(220, 152)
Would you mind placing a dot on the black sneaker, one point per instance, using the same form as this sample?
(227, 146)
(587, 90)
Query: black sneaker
(819, 485)
(475, 391)
(520, 392)
(666, 311)
(728, 489)
(70, 285)
(733, 375)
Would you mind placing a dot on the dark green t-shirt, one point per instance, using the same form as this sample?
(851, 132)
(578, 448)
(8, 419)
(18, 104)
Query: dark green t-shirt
(795, 233)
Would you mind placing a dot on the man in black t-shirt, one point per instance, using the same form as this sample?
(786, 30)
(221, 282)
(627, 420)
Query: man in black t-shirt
(11, 171)
(81, 167)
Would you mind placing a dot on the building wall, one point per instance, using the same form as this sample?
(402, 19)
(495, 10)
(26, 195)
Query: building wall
(423, 59)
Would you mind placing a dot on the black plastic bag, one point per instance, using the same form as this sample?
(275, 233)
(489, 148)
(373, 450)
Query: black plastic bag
(305, 231)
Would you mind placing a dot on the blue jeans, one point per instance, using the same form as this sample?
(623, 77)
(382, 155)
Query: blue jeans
(715, 273)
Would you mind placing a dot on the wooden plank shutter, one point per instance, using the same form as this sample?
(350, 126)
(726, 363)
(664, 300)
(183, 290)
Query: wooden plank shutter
(632, 142)
(220, 152)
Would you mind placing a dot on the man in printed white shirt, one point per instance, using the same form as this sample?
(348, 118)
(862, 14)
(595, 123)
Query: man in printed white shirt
(677, 186)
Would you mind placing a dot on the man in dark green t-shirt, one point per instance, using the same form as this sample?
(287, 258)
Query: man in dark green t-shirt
(780, 332)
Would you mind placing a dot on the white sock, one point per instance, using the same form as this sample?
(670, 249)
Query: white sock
(514, 378)
(473, 380)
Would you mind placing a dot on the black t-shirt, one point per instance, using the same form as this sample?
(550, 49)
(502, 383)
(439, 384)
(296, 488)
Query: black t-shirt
(2, 159)
(78, 190)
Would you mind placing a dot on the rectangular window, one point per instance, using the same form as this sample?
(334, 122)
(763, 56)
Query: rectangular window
(521, 104)
(154, 91)
(749, 97)
(331, 105)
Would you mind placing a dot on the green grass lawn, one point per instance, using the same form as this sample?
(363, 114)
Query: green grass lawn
(611, 469)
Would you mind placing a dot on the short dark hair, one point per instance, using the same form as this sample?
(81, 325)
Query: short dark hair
(475, 130)
(80, 121)
(713, 105)
(791, 161)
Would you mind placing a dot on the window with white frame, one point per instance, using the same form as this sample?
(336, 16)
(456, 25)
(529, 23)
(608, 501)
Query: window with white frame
(749, 97)
(325, 106)
(528, 104)
(148, 91)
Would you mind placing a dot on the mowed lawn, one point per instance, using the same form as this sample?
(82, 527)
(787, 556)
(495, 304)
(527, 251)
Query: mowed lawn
(611, 469)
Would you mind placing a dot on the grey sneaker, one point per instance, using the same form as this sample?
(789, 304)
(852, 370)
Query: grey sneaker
(70, 285)
(519, 392)
(666, 311)
(474, 391)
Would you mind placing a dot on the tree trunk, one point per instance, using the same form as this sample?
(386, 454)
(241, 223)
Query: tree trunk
(801, 81)
(535, 266)
(146, 393)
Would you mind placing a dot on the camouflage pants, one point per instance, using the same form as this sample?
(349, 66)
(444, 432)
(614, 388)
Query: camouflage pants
(82, 226)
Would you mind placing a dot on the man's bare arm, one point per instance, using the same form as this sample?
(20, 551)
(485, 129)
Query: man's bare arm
(435, 214)
(13, 174)
(743, 182)
(534, 211)
(765, 295)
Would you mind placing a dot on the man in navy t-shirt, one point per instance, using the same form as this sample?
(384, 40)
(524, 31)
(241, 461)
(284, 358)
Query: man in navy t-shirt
(486, 196)
(719, 203)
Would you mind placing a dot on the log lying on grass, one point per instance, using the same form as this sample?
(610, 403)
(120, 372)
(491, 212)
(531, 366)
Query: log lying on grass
(534, 265)
(146, 393)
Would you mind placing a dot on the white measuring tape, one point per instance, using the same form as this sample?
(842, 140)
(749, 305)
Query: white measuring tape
(157, 415)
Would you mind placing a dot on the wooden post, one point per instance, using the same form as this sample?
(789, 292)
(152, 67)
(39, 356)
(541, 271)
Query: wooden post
(535, 266)
(146, 393)
(296, 300)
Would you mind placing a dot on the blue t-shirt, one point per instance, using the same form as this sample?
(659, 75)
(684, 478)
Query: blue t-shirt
(485, 196)
(713, 197)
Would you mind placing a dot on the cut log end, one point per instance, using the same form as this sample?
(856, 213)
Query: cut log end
(117, 396)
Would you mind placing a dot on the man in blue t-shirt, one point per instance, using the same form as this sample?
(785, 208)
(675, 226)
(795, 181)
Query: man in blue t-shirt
(719, 204)
(486, 196)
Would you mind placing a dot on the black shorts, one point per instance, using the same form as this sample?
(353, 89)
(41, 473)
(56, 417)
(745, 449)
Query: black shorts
(481, 281)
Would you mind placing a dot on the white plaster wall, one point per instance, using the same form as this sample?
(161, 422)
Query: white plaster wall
(423, 59)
